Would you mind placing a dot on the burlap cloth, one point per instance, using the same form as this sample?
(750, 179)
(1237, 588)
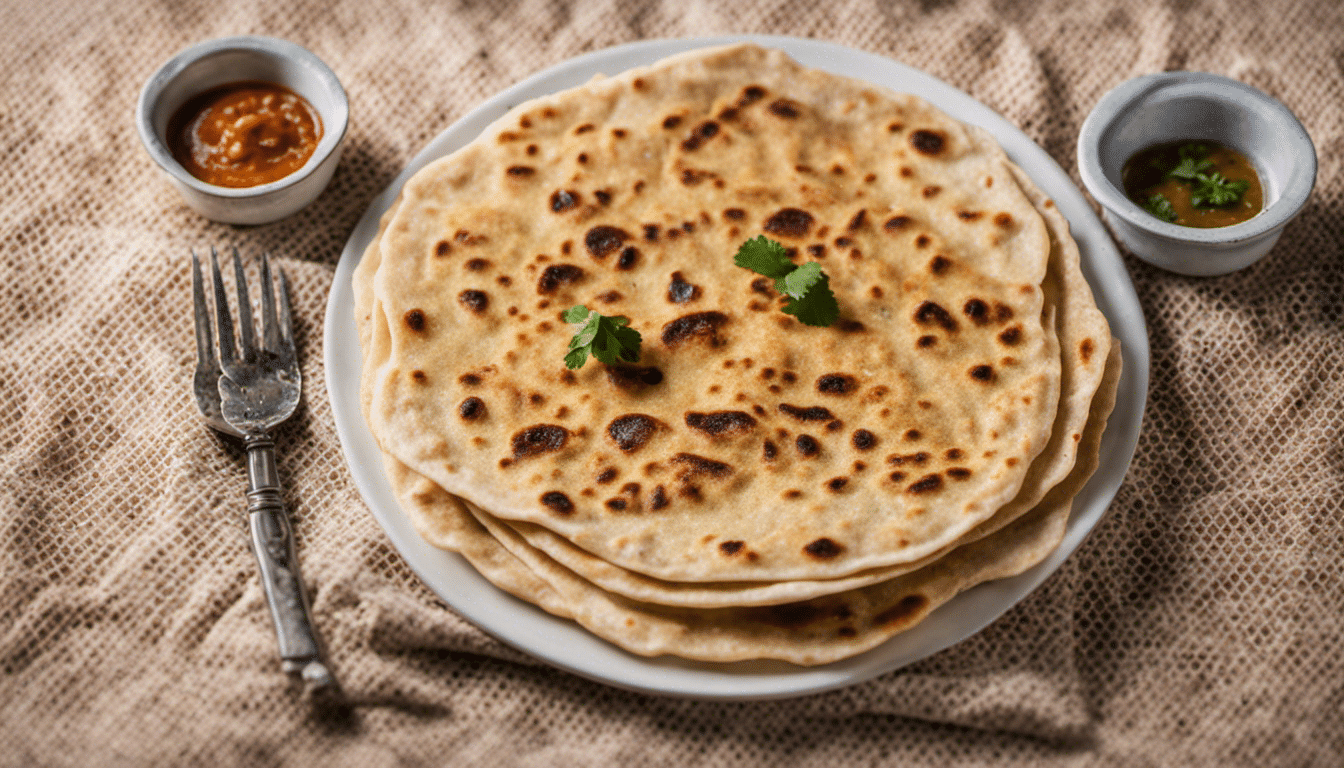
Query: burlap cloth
(1198, 626)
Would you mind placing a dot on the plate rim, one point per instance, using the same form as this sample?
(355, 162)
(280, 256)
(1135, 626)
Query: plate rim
(564, 644)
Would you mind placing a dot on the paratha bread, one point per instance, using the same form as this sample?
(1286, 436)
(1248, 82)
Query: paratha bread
(811, 632)
(744, 446)
(1079, 319)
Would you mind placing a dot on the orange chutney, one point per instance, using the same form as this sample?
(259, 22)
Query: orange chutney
(244, 134)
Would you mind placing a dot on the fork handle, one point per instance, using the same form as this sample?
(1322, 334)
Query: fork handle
(273, 544)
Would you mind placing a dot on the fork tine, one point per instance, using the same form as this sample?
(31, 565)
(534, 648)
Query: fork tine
(286, 323)
(205, 341)
(247, 341)
(270, 326)
(222, 321)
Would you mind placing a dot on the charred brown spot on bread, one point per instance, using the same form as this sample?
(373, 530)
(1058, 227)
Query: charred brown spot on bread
(631, 431)
(900, 460)
(905, 609)
(784, 108)
(699, 325)
(538, 439)
(607, 475)
(813, 413)
(692, 177)
(679, 291)
(836, 384)
(557, 275)
(837, 484)
(476, 265)
(769, 450)
(940, 264)
(789, 222)
(913, 434)
(931, 190)
(817, 251)
(958, 473)
(969, 215)
(837, 170)
(470, 379)
(762, 286)
(586, 127)
(846, 325)
(863, 440)
(442, 248)
(603, 196)
(922, 241)
(617, 504)
(419, 377)
(1004, 220)
(1011, 336)
(823, 549)
(692, 466)
(928, 142)
(557, 502)
(926, 484)
(977, 310)
(750, 95)
(521, 171)
(792, 493)
(415, 320)
(702, 133)
(932, 313)
(896, 477)
(609, 297)
(532, 149)
(603, 239)
(730, 548)
(858, 220)
(634, 377)
(719, 423)
(807, 445)
(734, 214)
(471, 409)
(1086, 349)
(474, 300)
(671, 121)
(982, 373)
(628, 259)
(896, 223)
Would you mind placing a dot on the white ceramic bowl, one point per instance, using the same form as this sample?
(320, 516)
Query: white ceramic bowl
(1177, 106)
(231, 59)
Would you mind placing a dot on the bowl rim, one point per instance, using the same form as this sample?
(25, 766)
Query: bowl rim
(335, 124)
(1116, 103)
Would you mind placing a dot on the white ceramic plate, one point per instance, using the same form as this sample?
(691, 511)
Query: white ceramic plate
(564, 643)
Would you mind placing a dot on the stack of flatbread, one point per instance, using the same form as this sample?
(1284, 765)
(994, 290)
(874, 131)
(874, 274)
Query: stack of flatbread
(752, 487)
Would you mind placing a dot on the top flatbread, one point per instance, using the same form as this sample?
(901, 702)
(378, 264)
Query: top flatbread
(744, 446)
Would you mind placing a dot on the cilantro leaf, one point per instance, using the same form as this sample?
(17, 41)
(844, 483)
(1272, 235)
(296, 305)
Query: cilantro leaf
(1160, 206)
(606, 338)
(1190, 167)
(1214, 191)
(797, 283)
(816, 307)
(764, 257)
(808, 288)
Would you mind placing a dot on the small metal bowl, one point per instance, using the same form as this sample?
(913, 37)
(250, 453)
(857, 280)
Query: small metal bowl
(216, 62)
(1179, 106)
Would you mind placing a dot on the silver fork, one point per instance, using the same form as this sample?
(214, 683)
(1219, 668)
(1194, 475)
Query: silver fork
(246, 391)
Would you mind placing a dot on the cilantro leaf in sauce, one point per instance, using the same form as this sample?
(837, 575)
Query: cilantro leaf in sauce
(1212, 190)
(1160, 206)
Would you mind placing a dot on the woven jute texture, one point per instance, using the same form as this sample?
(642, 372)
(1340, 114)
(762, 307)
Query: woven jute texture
(1198, 626)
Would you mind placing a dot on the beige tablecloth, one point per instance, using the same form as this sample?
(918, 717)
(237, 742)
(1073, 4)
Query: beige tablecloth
(1198, 626)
